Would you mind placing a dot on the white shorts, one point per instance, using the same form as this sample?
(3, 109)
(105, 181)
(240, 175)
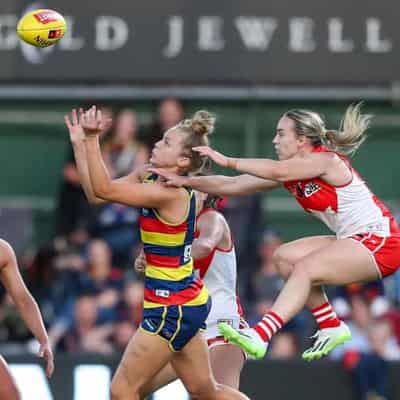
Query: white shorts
(212, 325)
(213, 336)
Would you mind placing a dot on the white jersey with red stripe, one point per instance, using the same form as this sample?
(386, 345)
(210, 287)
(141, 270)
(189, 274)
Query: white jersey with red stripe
(219, 274)
(348, 209)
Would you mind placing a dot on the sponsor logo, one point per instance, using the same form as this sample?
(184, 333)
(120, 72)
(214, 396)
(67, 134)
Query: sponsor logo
(148, 324)
(162, 293)
(227, 321)
(42, 42)
(54, 34)
(45, 17)
(310, 189)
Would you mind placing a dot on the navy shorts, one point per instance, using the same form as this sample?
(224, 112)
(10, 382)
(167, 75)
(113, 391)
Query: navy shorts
(176, 324)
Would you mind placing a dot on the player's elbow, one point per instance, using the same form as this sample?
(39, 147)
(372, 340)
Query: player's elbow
(102, 192)
(202, 249)
(95, 200)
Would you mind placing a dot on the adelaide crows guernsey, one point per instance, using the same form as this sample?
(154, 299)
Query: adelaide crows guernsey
(169, 276)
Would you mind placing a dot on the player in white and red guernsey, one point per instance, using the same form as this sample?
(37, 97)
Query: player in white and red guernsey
(314, 167)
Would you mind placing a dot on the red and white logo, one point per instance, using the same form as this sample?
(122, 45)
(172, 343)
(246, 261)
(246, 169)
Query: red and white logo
(45, 17)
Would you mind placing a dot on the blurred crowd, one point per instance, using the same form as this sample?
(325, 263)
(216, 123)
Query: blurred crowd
(91, 297)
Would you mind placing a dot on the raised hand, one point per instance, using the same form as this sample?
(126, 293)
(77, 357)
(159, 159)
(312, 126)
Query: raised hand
(93, 122)
(76, 132)
(217, 157)
(170, 178)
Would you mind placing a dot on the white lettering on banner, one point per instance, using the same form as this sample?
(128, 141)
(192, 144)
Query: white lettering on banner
(210, 34)
(336, 42)
(31, 382)
(111, 33)
(301, 38)
(374, 42)
(69, 42)
(256, 33)
(175, 42)
(8, 35)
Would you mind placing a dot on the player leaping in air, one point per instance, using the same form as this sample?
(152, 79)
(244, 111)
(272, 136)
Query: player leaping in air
(313, 166)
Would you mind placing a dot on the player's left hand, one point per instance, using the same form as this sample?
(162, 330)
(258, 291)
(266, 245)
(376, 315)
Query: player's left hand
(93, 122)
(140, 262)
(214, 155)
(46, 353)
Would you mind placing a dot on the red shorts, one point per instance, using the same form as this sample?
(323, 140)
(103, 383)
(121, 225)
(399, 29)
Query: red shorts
(384, 250)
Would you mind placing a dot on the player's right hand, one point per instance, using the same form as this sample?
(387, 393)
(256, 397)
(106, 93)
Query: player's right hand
(93, 122)
(170, 179)
(76, 133)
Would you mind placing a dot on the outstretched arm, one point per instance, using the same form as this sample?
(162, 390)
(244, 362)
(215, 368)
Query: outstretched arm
(25, 303)
(77, 138)
(219, 185)
(309, 166)
(78, 141)
(126, 191)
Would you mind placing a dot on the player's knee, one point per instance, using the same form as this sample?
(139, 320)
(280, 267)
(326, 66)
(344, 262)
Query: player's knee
(202, 389)
(304, 270)
(121, 392)
(281, 260)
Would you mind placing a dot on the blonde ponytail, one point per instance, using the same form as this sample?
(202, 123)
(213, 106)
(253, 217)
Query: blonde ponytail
(351, 133)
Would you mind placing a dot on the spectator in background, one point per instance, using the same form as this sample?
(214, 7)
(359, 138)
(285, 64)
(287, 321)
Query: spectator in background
(123, 152)
(102, 280)
(170, 112)
(123, 331)
(85, 335)
(118, 225)
(131, 307)
(267, 283)
(365, 356)
(360, 321)
(369, 369)
(245, 217)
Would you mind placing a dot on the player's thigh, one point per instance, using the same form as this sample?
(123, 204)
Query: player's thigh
(192, 365)
(289, 253)
(343, 262)
(8, 387)
(143, 358)
(226, 363)
(165, 376)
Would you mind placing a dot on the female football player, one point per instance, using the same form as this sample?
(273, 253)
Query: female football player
(30, 313)
(314, 168)
(214, 257)
(176, 302)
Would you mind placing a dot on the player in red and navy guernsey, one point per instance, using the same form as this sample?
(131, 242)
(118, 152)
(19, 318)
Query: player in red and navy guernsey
(314, 167)
(214, 258)
(176, 303)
